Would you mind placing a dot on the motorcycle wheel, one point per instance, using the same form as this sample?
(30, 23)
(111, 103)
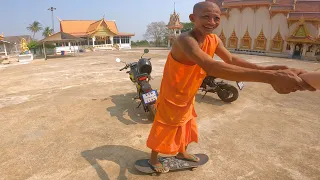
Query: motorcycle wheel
(152, 111)
(228, 93)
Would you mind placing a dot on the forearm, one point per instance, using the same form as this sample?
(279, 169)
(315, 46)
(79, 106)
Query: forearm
(242, 63)
(312, 78)
(236, 73)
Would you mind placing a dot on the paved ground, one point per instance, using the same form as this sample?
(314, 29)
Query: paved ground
(74, 118)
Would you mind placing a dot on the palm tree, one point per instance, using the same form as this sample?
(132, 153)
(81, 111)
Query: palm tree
(34, 27)
(47, 32)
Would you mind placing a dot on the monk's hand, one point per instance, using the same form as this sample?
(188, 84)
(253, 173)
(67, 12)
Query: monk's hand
(275, 67)
(287, 81)
(298, 71)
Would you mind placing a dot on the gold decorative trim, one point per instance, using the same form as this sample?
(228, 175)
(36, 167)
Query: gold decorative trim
(260, 42)
(223, 38)
(277, 42)
(246, 40)
(233, 40)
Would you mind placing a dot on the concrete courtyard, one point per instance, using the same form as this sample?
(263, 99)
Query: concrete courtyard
(75, 118)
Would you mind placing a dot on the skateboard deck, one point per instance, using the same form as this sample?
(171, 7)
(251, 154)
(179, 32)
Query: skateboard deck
(172, 163)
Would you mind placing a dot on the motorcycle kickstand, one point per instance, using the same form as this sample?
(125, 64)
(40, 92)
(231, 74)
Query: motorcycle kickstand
(139, 104)
(204, 94)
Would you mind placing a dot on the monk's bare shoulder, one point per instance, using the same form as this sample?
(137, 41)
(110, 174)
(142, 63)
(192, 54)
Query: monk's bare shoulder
(184, 42)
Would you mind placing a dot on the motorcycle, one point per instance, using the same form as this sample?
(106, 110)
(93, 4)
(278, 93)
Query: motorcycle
(140, 75)
(225, 91)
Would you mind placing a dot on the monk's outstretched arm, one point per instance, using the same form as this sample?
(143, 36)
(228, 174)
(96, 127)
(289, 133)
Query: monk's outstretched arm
(220, 69)
(282, 81)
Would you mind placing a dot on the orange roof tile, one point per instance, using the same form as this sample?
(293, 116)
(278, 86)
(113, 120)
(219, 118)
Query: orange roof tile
(81, 27)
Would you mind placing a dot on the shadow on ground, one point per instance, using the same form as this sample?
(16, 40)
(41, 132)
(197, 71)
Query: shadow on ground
(124, 103)
(124, 156)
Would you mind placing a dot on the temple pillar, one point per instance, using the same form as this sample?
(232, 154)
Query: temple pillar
(5, 49)
(88, 41)
(93, 40)
(105, 41)
(304, 49)
(111, 39)
(120, 40)
(291, 48)
(168, 43)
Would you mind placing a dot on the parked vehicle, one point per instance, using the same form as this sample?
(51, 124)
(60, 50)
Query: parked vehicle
(140, 75)
(225, 91)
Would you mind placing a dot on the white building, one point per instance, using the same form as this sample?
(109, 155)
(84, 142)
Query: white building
(100, 35)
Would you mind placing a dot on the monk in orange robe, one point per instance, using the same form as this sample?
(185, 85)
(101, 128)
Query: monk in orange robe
(188, 63)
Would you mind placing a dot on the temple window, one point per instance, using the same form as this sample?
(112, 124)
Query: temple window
(261, 41)
(233, 40)
(125, 40)
(246, 40)
(222, 37)
(277, 42)
(116, 40)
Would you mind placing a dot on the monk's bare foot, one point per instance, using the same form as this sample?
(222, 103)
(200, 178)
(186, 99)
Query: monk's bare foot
(158, 166)
(188, 157)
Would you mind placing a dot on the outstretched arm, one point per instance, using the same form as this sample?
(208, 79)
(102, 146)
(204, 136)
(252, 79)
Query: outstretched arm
(227, 57)
(283, 81)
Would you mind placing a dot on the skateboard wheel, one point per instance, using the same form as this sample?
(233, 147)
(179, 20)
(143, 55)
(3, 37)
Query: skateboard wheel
(154, 174)
(193, 169)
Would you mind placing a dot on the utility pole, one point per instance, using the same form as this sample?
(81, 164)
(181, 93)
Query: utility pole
(52, 9)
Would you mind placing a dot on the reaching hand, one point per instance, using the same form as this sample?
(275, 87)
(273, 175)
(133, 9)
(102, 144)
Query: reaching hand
(287, 81)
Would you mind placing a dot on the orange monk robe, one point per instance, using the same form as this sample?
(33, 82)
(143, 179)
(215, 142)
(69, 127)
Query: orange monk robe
(175, 125)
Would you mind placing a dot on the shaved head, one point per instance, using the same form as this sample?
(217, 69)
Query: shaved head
(201, 6)
(205, 17)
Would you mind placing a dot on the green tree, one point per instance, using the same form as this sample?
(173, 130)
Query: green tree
(34, 28)
(187, 26)
(47, 32)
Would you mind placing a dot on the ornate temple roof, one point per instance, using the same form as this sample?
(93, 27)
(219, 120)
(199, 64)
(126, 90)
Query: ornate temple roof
(84, 27)
(174, 22)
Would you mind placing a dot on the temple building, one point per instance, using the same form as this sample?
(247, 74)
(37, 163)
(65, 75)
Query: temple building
(285, 28)
(174, 27)
(101, 34)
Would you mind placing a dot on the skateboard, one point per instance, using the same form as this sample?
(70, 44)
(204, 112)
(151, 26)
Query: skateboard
(172, 163)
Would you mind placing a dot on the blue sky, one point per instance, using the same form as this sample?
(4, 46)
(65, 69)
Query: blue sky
(130, 16)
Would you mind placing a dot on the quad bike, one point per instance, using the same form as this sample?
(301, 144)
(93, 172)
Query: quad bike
(225, 91)
(139, 74)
